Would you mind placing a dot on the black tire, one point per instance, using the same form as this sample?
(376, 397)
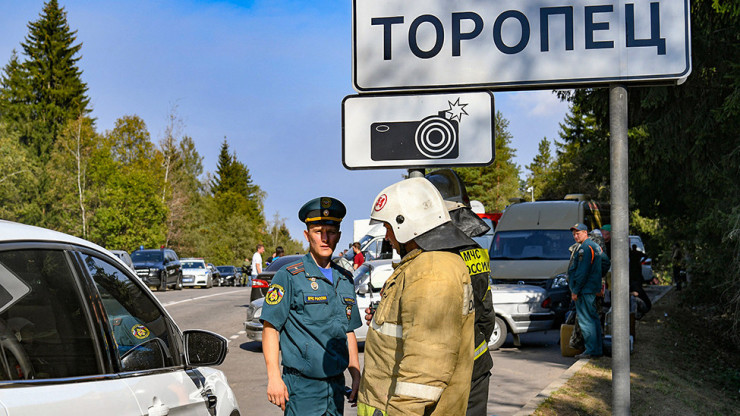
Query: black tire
(209, 283)
(498, 337)
(178, 285)
(163, 281)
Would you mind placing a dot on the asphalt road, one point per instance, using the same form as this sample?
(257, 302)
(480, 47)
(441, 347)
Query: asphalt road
(519, 373)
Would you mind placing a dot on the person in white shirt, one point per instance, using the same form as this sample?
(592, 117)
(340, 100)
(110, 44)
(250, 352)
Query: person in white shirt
(256, 262)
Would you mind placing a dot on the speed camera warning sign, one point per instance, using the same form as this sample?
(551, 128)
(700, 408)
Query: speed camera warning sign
(421, 130)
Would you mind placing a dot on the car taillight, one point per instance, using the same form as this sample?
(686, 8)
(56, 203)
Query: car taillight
(546, 303)
(259, 283)
(647, 262)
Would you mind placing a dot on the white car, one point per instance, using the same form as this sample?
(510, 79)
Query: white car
(519, 308)
(81, 334)
(196, 273)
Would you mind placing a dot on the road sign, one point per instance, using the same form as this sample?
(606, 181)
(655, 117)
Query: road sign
(508, 44)
(422, 130)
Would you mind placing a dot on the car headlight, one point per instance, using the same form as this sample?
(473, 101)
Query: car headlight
(560, 281)
(257, 313)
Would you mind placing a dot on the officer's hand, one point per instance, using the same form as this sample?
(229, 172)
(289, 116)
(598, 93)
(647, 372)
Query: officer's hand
(355, 373)
(574, 296)
(277, 393)
(369, 312)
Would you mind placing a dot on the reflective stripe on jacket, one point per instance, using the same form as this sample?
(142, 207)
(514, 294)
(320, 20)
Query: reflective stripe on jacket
(419, 349)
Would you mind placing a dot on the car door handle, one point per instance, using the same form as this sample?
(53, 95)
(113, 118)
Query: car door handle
(158, 408)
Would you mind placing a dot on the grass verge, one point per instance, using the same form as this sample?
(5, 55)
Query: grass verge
(680, 366)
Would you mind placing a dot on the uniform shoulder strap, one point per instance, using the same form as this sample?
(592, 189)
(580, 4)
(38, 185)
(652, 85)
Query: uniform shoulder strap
(294, 269)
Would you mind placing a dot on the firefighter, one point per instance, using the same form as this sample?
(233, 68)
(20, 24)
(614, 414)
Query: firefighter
(419, 348)
(476, 258)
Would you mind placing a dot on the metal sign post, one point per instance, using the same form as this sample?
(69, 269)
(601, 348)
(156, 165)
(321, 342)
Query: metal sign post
(620, 243)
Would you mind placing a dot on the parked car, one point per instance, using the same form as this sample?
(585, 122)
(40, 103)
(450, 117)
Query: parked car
(519, 308)
(81, 334)
(262, 282)
(215, 273)
(196, 273)
(647, 264)
(230, 275)
(158, 268)
(125, 257)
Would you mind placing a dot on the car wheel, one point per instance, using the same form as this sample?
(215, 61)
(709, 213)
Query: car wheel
(163, 281)
(498, 336)
(209, 283)
(178, 285)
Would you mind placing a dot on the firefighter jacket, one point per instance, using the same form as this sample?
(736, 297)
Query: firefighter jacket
(477, 261)
(419, 349)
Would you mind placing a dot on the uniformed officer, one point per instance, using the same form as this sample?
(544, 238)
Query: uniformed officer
(584, 279)
(310, 313)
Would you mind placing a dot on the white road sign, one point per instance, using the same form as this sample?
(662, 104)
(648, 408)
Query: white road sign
(422, 130)
(503, 44)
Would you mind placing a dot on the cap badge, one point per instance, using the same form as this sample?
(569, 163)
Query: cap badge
(380, 203)
(326, 213)
(325, 202)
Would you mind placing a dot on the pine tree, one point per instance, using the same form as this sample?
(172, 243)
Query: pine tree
(540, 169)
(493, 185)
(43, 93)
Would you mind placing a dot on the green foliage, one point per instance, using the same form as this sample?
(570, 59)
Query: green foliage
(540, 169)
(493, 185)
(45, 91)
(684, 154)
(18, 179)
(278, 235)
(581, 165)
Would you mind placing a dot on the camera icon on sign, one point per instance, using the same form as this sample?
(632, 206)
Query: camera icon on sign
(433, 137)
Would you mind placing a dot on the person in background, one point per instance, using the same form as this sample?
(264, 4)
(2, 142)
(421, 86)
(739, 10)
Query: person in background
(584, 279)
(309, 316)
(279, 252)
(256, 263)
(606, 232)
(678, 264)
(359, 257)
(635, 274)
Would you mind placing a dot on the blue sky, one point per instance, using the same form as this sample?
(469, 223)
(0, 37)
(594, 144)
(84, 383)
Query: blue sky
(269, 75)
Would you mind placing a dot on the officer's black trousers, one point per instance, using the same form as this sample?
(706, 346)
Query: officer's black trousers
(478, 399)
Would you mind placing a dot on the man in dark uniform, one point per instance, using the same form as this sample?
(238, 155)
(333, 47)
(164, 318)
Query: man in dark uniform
(310, 313)
(584, 279)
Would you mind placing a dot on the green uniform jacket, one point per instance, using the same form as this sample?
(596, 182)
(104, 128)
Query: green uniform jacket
(313, 317)
(584, 273)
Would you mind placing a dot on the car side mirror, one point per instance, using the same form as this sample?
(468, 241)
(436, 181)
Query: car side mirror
(362, 289)
(145, 356)
(204, 348)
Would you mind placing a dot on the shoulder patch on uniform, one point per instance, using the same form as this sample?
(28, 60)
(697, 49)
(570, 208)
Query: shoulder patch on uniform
(294, 269)
(140, 331)
(274, 294)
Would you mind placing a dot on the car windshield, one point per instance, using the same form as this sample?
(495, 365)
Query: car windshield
(226, 269)
(531, 245)
(147, 256)
(193, 265)
(280, 262)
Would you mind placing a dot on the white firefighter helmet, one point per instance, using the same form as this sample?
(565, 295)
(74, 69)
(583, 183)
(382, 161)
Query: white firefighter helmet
(412, 207)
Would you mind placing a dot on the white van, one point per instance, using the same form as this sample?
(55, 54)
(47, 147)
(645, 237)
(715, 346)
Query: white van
(531, 241)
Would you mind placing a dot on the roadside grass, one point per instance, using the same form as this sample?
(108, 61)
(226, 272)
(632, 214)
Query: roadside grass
(680, 366)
